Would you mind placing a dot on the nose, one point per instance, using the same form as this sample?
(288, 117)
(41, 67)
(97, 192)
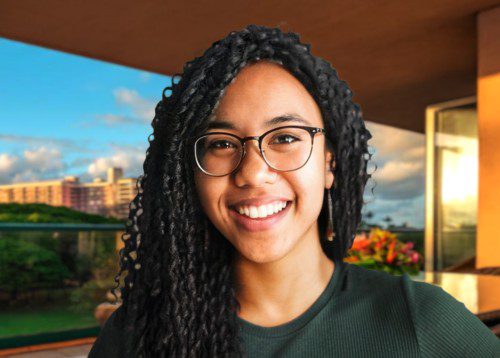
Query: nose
(253, 169)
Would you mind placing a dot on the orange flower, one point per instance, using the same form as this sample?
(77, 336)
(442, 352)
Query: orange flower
(360, 242)
(384, 248)
(391, 255)
(351, 259)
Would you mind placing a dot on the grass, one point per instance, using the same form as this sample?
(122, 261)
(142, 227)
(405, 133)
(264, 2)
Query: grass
(27, 321)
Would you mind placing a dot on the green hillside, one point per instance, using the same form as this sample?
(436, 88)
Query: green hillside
(43, 213)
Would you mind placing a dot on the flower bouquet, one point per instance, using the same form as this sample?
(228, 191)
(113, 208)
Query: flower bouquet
(382, 251)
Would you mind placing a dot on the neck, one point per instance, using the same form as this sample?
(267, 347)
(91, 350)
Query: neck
(276, 292)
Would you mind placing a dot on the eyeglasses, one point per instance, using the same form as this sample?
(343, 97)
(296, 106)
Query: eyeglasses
(284, 149)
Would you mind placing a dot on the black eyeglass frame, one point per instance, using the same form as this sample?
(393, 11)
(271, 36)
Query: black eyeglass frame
(311, 130)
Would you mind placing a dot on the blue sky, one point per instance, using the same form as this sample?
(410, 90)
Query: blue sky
(81, 107)
(63, 114)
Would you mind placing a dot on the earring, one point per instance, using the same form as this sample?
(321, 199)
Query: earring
(330, 231)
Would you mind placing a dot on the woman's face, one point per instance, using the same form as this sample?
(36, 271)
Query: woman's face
(260, 92)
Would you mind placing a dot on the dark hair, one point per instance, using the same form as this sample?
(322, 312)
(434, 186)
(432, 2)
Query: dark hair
(178, 296)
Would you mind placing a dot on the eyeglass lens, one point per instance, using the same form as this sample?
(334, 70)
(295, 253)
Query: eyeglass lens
(284, 149)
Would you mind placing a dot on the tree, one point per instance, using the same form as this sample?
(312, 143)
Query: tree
(25, 265)
(388, 220)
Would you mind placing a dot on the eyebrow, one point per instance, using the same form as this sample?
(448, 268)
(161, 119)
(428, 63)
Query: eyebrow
(289, 117)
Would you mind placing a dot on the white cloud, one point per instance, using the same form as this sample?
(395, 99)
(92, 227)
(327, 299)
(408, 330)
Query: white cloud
(63, 144)
(417, 153)
(129, 158)
(113, 119)
(46, 163)
(142, 110)
(400, 159)
(140, 107)
(397, 171)
(390, 142)
(44, 159)
(398, 184)
(38, 164)
(7, 162)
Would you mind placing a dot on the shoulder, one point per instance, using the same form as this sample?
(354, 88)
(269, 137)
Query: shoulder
(374, 281)
(109, 342)
(444, 324)
(377, 295)
(441, 323)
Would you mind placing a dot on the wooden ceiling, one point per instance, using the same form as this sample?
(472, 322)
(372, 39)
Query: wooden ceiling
(397, 56)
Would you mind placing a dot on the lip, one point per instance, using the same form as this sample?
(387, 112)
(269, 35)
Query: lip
(259, 224)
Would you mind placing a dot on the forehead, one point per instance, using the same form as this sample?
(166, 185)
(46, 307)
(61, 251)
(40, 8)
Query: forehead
(260, 93)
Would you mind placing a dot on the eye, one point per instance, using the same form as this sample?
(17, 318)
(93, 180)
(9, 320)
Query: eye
(220, 144)
(284, 139)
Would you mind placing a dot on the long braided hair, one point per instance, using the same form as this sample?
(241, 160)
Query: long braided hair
(178, 296)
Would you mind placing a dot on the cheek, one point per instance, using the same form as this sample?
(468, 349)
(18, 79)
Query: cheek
(309, 184)
(203, 191)
(312, 174)
(209, 192)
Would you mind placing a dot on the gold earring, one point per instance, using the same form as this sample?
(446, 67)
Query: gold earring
(330, 231)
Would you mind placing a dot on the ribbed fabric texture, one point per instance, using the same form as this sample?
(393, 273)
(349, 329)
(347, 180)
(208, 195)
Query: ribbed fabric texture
(368, 313)
(361, 313)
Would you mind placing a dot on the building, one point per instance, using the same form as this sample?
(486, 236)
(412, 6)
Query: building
(109, 197)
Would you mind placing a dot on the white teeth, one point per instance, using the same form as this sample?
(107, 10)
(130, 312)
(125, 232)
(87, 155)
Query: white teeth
(261, 211)
(253, 212)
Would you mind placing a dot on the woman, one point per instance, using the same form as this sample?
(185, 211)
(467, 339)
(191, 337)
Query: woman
(257, 152)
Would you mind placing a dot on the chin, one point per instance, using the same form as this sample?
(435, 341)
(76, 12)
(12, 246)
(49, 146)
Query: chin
(262, 259)
(263, 252)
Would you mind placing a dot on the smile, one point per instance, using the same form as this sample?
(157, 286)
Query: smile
(261, 211)
(257, 218)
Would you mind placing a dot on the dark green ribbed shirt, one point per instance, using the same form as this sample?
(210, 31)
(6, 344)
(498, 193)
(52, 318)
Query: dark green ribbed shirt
(361, 313)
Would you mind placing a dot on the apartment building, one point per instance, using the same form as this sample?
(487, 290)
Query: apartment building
(110, 197)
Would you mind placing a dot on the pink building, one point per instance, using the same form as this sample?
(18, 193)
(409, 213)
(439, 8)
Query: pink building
(109, 197)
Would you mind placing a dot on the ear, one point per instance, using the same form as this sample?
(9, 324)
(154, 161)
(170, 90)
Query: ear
(329, 166)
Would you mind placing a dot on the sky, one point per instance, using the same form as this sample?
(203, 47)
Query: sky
(63, 114)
